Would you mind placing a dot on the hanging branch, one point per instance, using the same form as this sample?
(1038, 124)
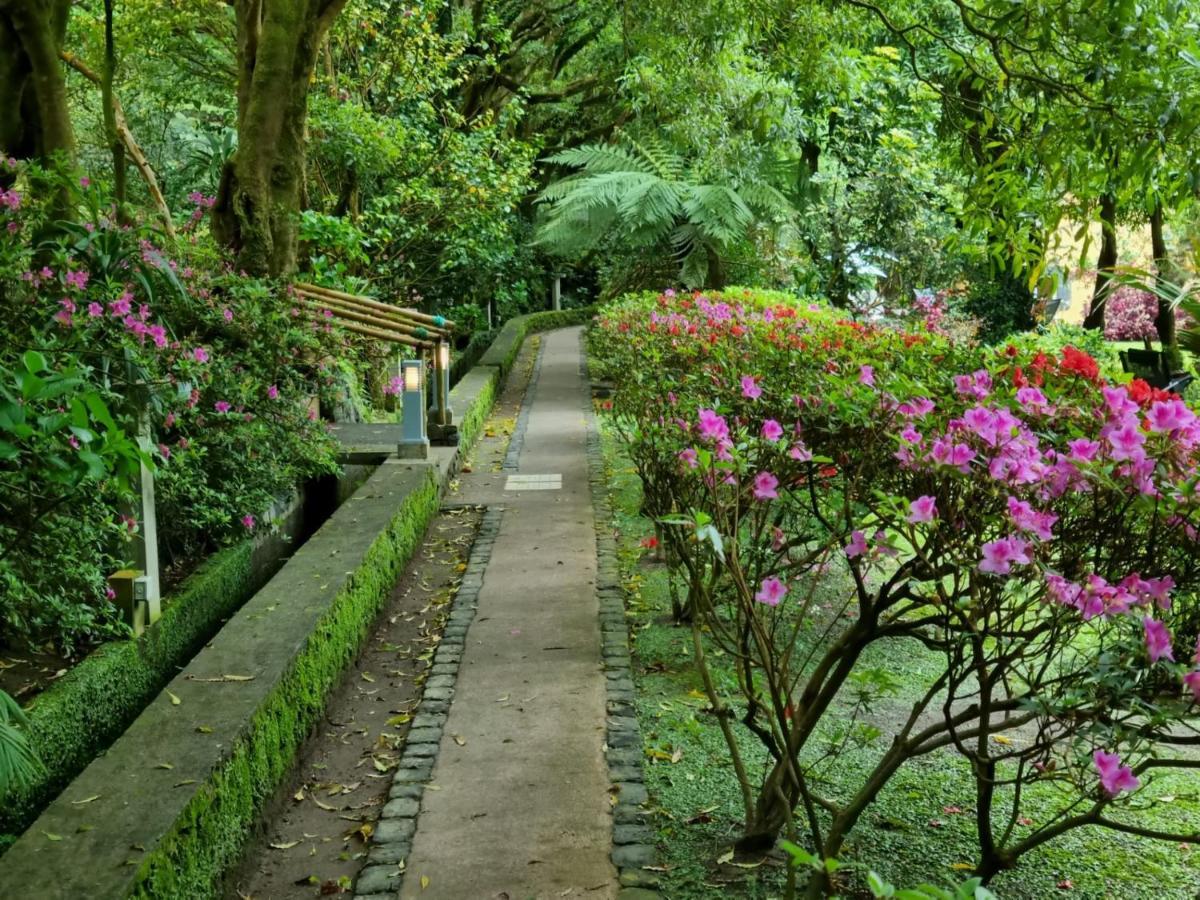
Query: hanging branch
(131, 145)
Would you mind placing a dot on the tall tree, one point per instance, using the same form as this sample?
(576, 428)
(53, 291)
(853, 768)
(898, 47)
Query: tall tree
(259, 197)
(35, 121)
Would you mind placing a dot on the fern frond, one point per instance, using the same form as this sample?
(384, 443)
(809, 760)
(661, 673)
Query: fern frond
(600, 158)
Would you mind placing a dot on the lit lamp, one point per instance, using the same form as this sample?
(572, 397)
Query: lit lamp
(441, 417)
(414, 444)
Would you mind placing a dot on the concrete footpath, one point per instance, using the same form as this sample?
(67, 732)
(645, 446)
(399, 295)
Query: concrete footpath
(518, 802)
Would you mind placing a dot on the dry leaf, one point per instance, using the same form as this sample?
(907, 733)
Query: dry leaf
(288, 846)
(204, 729)
(164, 765)
(424, 882)
(460, 740)
(175, 701)
(50, 836)
(185, 781)
(85, 800)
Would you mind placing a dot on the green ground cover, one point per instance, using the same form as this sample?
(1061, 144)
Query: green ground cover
(921, 828)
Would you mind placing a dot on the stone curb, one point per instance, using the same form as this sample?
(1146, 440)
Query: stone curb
(633, 840)
(382, 873)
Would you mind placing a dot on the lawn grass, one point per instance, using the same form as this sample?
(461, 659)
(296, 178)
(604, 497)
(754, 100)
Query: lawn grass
(907, 836)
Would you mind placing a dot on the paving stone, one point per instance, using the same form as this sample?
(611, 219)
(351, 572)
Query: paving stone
(427, 720)
(378, 880)
(629, 814)
(450, 669)
(639, 878)
(402, 808)
(638, 893)
(623, 756)
(439, 681)
(632, 834)
(625, 773)
(632, 792)
(420, 751)
(633, 856)
(406, 790)
(413, 773)
(392, 831)
(438, 693)
(429, 735)
(389, 854)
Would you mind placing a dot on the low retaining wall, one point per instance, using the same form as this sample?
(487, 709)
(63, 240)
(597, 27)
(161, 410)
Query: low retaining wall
(168, 809)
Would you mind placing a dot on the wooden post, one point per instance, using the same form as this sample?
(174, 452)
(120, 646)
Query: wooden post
(556, 293)
(138, 590)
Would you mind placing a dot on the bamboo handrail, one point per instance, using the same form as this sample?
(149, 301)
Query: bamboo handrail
(428, 321)
(347, 312)
(393, 337)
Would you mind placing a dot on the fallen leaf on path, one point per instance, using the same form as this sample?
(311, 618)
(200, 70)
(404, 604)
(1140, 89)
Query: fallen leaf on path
(204, 729)
(288, 846)
(85, 800)
(221, 678)
(164, 765)
(725, 857)
(175, 701)
(367, 676)
(185, 781)
(460, 740)
(324, 806)
(424, 882)
(51, 836)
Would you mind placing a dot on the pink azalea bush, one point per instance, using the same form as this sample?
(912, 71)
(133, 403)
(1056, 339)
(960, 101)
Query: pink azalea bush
(222, 364)
(1012, 511)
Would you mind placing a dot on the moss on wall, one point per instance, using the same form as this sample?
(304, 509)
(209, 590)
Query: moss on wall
(211, 832)
(81, 715)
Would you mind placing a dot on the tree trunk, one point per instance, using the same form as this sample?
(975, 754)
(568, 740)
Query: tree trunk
(115, 144)
(258, 201)
(1164, 321)
(1106, 262)
(33, 93)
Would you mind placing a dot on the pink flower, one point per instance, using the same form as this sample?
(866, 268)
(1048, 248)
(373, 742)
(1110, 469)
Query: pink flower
(164, 451)
(273, 392)
(221, 406)
(923, 509)
(1000, 556)
(1169, 415)
(1126, 442)
(764, 486)
(1030, 520)
(712, 426)
(1083, 450)
(200, 355)
(95, 310)
(1114, 777)
(688, 456)
(1031, 398)
(1191, 681)
(1158, 640)
(228, 314)
(248, 521)
(77, 280)
(771, 591)
(750, 388)
(857, 545)
(800, 453)
(169, 420)
(85, 182)
(866, 375)
(772, 430)
(73, 441)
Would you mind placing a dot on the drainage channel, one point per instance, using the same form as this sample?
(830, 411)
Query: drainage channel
(315, 833)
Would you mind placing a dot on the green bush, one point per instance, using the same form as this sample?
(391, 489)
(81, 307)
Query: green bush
(1002, 304)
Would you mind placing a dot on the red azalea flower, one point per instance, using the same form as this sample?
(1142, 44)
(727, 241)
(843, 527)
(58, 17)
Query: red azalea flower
(650, 542)
(1080, 363)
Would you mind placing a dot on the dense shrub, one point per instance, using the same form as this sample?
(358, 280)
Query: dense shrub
(1003, 305)
(218, 368)
(1010, 510)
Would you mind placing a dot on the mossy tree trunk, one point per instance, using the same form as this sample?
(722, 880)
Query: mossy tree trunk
(258, 201)
(1106, 263)
(34, 118)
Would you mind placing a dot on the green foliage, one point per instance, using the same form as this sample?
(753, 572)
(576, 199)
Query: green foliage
(19, 764)
(1002, 304)
(653, 198)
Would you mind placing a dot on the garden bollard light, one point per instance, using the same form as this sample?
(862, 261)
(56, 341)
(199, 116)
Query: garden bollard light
(414, 443)
(441, 418)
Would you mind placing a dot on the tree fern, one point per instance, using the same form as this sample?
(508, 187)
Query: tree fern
(646, 193)
(18, 763)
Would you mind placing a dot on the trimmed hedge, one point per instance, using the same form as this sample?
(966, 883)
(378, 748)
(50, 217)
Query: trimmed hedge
(210, 835)
(506, 346)
(469, 357)
(93, 704)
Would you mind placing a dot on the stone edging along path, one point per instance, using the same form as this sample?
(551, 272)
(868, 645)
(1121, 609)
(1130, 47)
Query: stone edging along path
(633, 840)
(391, 841)
(170, 806)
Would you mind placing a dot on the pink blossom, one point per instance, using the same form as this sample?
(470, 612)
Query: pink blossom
(1026, 518)
(800, 452)
(1126, 442)
(169, 421)
(221, 406)
(688, 456)
(95, 310)
(866, 375)
(771, 591)
(999, 556)
(77, 280)
(200, 355)
(1031, 398)
(857, 545)
(911, 435)
(1169, 415)
(750, 388)
(164, 451)
(772, 430)
(1158, 640)
(1114, 777)
(272, 392)
(1083, 450)
(712, 426)
(227, 314)
(923, 509)
(248, 520)
(765, 485)
(1191, 681)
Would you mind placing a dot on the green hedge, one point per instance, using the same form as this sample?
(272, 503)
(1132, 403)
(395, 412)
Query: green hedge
(467, 359)
(210, 835)
(93, 704)
(506, 346)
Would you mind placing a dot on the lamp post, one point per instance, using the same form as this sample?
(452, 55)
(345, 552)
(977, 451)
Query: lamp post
(414, 444)
(441, 417)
